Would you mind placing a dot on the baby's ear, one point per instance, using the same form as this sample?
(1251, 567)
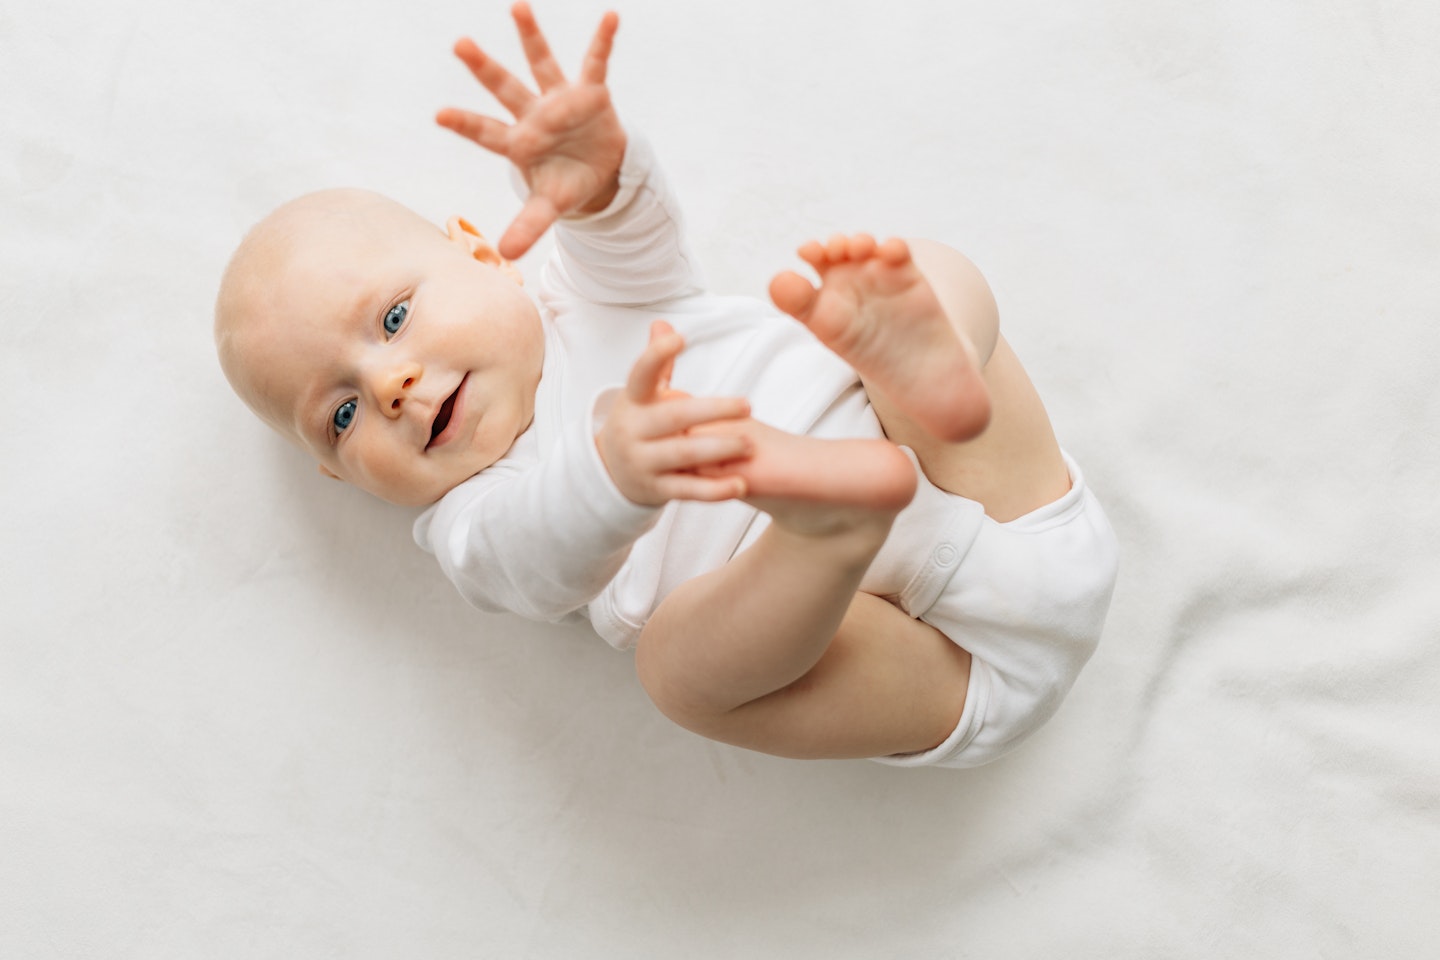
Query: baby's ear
(461, 232)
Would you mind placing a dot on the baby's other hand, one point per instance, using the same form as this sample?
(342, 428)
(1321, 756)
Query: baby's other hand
(645, 443)
(567, 142)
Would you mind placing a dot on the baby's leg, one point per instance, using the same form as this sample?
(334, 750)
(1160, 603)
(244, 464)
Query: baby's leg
(884, 684)
(919, 324)
(774, 651)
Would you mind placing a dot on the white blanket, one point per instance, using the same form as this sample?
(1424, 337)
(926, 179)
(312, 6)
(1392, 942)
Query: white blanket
(241, 716)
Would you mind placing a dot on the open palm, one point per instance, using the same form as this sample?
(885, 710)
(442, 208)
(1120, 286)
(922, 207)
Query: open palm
(566, 141)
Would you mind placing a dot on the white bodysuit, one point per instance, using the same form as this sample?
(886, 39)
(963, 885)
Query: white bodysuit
(545, 533)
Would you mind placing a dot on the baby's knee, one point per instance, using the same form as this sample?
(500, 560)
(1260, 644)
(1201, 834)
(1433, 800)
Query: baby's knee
(670, 686)
(962, 291)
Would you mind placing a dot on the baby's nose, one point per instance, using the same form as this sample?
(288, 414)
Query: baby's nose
(393, 387)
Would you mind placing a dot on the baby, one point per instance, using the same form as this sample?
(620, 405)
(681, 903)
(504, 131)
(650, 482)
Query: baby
(851, 536)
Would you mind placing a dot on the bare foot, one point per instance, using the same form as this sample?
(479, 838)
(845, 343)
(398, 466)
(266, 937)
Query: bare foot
(878, 312)
(818, 487)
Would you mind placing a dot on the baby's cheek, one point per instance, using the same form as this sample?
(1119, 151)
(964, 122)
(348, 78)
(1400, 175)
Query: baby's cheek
(388, 474)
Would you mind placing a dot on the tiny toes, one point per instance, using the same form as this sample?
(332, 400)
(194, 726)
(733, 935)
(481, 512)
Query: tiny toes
(837, 248)
(894, 251)
(862, 246)
(813, 253)
(792, 293)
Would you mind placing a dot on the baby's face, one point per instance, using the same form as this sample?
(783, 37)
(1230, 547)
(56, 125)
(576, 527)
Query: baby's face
(403, 359)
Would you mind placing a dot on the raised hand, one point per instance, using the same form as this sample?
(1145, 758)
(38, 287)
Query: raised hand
(646, 445)
(566, 141)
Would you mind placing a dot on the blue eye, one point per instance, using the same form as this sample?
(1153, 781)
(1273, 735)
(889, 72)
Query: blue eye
(343, 415)
(395, 318)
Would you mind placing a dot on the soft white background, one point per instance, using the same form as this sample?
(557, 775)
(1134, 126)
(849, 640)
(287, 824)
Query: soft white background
(242, 717)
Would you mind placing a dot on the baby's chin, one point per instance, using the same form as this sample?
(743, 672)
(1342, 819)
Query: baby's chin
(411, 496)
(409, 493)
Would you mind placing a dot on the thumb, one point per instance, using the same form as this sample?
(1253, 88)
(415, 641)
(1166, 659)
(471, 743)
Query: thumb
(528, 226)
(650, 377)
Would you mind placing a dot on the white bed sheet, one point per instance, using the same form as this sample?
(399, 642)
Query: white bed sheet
(240, 716)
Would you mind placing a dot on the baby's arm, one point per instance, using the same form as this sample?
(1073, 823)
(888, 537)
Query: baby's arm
(543, 539)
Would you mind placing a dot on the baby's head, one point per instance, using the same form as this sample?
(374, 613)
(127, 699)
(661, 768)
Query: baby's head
(404, 358)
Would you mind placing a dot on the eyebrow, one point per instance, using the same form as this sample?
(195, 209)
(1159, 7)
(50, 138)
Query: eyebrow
(310, 412)
(362, 304)
(311, 422)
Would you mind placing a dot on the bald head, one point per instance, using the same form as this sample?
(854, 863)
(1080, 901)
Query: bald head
(305, 241)
(348, 323)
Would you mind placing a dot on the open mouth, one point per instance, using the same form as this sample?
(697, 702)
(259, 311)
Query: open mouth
(444, 415)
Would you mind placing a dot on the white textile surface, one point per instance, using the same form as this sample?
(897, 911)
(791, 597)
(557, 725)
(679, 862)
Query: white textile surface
(242, 717)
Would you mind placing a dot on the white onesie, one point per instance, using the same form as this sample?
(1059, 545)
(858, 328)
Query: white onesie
(545, 533)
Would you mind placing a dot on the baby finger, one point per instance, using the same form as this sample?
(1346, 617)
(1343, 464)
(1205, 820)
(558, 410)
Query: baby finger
(485, 131)
(500, 82)
(597, 57)
(689, 452)
(686, 413)
(684, 486)
(542, 62)
(651, 373)
(529, 225)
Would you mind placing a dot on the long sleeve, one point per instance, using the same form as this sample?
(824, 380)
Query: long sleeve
(537, 537)
(631, 253)
(545, 533)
